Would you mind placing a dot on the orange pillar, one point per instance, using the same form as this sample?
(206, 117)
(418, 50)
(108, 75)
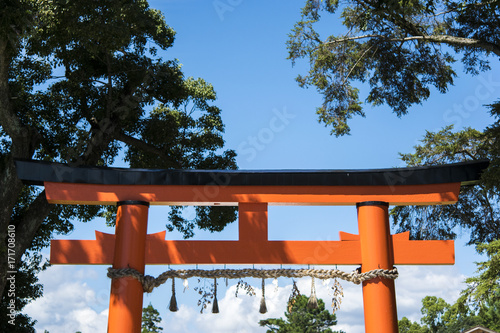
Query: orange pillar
(379, 297)
(125, 303)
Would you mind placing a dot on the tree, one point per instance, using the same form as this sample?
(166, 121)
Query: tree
(484, 289)
(490, 315)
(150, 319)
(405, 325)
(441, 317)
(479, 303)
(401, 49)
(433, 309)
(302, 319)
(477, 209)
(83, 83)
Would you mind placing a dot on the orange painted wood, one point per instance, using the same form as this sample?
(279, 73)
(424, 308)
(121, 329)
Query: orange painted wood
(161, 252)
(379, 296)
(92, 194)
(373, 248)
(125, 303)
(415, 252)
(252, 219)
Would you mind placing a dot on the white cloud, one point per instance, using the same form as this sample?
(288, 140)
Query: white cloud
(416, 282)
(181, 320)
(241, 314)
(68, 304)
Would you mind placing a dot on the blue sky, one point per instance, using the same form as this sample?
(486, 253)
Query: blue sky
(239, 47)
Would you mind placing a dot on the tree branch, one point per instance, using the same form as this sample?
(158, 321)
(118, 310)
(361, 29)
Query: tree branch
(30, 223)
(483, 198)
(357, 62)
(396, 18)
(147, 148)
(100, 136)
(445, 39)
(8, 120)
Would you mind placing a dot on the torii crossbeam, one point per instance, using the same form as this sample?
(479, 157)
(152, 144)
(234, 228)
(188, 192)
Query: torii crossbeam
(133, 190)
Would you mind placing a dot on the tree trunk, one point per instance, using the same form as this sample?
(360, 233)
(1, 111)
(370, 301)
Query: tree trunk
(24, 141)
(10, 186)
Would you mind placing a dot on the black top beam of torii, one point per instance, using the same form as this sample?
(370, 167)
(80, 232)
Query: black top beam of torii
(37, 172)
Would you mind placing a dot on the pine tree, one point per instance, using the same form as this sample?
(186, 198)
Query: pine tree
(302, 319)
(150, 319)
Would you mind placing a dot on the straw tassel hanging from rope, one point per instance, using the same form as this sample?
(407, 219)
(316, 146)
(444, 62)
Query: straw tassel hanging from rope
(338, 293)
(263, 307)
(312, 303)
(173, 301)
(215, 306)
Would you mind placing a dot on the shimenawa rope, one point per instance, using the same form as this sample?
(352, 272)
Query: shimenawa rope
(149, 282)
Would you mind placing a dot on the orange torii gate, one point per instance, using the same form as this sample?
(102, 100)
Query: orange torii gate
(133, 190)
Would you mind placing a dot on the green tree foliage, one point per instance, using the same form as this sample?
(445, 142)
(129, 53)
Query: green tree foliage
(433, 309)
(394, 47)
(441, 317)
(484, 289)
(398, 49)
(402, 50)
(479, 303)
(80, 83)
(301, 319)
(150, 320)
(405, 325)
(477, 209)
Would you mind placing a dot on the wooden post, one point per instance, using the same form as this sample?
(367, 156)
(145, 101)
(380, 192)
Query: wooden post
(125, 304)
(379, 297)
(252, 221)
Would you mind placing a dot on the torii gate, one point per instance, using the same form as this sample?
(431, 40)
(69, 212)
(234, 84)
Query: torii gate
(133, 190)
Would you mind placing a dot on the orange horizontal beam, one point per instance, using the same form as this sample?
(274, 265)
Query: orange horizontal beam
(347, 251)
(95, 194)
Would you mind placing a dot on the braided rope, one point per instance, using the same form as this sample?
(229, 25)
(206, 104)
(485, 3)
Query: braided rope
(149, 282)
